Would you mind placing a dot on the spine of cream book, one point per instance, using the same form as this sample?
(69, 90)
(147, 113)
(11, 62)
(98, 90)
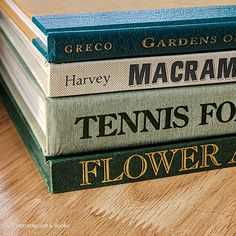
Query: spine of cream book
(81, 78)
(126, 119)
(84, 171)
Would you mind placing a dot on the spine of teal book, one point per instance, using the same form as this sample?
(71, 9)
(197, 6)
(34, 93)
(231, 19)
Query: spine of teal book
(126, 166)
(77, 172)
(108, 35)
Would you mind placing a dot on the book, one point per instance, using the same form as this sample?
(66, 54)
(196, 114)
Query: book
(79, 78)
(84, 171)
(124, 119)
(121, 31)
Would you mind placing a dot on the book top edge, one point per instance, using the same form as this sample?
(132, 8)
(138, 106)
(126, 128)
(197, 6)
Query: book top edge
(60, 23)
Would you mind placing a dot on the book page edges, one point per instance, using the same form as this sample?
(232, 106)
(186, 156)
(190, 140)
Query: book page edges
(25, 110)
(17, 20)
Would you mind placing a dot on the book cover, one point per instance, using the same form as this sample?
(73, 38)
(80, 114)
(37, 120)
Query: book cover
(112, 31)
(126, 119)
(84, 171)
(92, 77)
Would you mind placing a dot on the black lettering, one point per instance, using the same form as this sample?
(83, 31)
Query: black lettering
(208, 69)
(190, 70)
(219, 112)
(168, 118)
(160, 73)
(132, 125)
(85, 125)
(174, 77)
(103, 125)
(224, 69)
(136, 75)
(148, 115)
(181, 116)
(70, 80)
(205, 113)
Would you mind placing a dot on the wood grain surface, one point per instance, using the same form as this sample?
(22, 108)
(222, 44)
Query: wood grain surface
(45, 7)
(196, 204)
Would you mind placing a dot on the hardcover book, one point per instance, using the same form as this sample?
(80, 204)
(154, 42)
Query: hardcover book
(79, 78)
(67, 173)
(78, 31)
(126, 119)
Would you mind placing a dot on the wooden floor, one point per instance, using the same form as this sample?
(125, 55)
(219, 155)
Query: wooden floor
(195, 204)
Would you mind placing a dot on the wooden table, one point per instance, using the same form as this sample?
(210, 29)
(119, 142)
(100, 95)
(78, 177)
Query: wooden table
(196, 204)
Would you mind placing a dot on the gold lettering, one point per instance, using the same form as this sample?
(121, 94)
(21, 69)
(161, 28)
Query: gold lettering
(98, 47)
(88, 47)
(127, 166)
(233, 161)
(86, 171)
(107, 178)
(161, 44)
(167, 164)
(78, 48)
(108, 46)
(148, 42)
(193, 41)
(172, 42)
(68, 49)
(203, 40)
(182, 42)
(213, 39)
(227, 38)
(205, 155)
(191, 158)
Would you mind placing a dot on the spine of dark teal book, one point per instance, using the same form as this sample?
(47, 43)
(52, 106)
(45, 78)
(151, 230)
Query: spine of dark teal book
(145, 163)
(84, 171)
(107, 35)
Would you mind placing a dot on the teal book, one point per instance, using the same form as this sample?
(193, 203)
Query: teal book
(84, 171)
(123, 30)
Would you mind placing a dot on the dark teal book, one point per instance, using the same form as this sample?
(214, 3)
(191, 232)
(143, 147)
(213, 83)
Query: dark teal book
(121, 34)
(84, 171)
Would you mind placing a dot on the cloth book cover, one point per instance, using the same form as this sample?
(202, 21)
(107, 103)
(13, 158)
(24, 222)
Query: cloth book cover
(127, 119)
(74, 32)
(77, 172)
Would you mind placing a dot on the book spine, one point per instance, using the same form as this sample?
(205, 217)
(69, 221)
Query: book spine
(98, 170)
(67, 173)
(104, 121)
(79, 78)
(149, 41)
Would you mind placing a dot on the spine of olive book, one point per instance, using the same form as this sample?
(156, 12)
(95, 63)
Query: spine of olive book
(126, 119)
(67, 173)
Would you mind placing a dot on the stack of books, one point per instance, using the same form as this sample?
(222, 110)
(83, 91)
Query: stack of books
(105, 93)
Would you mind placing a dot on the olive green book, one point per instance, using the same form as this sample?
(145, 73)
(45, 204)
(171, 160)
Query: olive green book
(83, 171)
